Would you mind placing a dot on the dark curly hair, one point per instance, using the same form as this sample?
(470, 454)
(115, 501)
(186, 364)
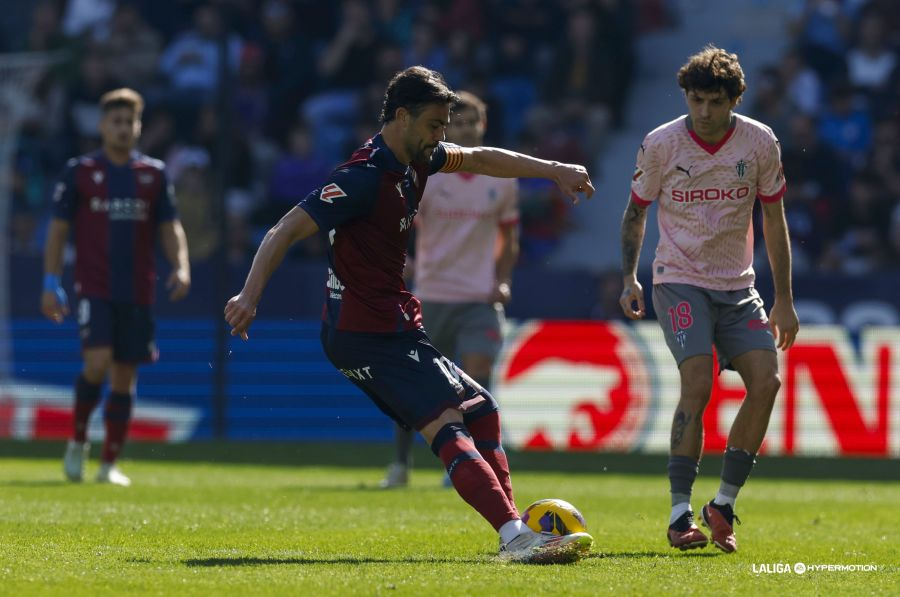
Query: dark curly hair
(413, 89)
(712, 69)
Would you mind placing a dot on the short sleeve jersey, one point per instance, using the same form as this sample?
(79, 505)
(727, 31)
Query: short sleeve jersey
(706, 195)
(115, 212)
(366, 209)
(457, 234)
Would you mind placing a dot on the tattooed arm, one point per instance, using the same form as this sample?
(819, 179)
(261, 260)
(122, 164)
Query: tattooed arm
(633, 224)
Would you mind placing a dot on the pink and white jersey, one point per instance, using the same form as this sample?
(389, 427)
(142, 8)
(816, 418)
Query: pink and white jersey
(706, 195)
(456, 235)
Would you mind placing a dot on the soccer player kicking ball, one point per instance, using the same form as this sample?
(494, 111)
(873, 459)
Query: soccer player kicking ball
(117, 200)
(466, 246)
(706, 170)
(372, 325)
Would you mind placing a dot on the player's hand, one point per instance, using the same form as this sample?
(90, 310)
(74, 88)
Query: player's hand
(631, 294)
(178, 284)
(573, 179)
(784, 323)
(501, 294)
(54, 304)
(239, 313)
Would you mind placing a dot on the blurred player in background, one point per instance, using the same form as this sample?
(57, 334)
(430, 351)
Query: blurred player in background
(117, 200)
(372, 325)
(467, 242)
(706, 169)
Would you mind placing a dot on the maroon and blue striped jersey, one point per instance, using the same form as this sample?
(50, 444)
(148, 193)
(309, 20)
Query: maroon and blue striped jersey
(366, 209)
(115, 212)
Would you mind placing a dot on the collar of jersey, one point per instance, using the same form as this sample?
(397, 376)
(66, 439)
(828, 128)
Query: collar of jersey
(388, 159)
(100, 156)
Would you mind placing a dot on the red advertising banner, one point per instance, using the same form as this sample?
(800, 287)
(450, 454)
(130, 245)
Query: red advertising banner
(613, 386)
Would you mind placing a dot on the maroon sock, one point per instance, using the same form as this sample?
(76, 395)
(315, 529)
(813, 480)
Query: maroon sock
(485, 431)
(116, 416)
(472, 477)
(87, 395)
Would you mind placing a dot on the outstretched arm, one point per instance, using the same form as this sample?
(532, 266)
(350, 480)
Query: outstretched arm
(241, 308)
(783, 317)
(633, 224)
(502, 163)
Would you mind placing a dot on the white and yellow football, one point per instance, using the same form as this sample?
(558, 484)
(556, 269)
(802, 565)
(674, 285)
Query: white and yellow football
(554, 516)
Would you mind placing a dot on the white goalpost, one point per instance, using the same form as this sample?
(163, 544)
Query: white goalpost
(19, 74)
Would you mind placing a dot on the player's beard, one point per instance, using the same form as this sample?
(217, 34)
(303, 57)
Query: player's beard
(425, 154)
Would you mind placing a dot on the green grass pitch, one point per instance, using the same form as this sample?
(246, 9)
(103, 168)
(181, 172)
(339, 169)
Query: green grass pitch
(258, 519)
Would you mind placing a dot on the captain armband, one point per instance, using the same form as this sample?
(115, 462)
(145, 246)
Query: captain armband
(454, 160)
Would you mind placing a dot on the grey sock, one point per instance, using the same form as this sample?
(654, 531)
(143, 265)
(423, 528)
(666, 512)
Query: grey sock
(682, 472)
(735, 470)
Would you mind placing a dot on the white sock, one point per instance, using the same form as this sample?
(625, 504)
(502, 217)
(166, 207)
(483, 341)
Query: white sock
(721, 499)
(678, 510)
(511, 530)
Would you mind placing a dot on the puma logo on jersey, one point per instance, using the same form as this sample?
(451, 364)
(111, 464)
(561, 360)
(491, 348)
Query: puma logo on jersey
(688, 171)
(330, 192)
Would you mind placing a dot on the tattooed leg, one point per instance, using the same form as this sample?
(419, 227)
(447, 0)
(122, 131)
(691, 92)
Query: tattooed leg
(687, 424)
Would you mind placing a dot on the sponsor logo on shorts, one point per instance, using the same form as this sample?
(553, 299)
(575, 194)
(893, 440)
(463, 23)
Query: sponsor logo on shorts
(414, 355)
(757, 324)
(361, 374)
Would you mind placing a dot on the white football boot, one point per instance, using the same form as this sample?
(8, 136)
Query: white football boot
(546, 548)
(73, 462)
(110, 473)
(397, 476)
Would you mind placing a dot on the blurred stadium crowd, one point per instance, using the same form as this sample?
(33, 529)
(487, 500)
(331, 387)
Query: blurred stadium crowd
(834, 102)
(308, 78)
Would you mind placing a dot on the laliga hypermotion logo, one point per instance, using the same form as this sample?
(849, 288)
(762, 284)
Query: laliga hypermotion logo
(575, 386)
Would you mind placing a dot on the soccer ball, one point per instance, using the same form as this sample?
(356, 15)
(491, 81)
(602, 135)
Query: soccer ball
(554, 516)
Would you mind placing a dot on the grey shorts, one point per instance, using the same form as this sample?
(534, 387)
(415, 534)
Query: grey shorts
(456, 329)
(695, 319)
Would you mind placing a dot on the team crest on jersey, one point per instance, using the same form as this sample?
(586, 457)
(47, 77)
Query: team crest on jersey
(145, 179)
(97, 176)
(637, 173)
(330, 192)
(741, 168)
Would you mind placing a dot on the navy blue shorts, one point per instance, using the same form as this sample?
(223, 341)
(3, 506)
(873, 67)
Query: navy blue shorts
(403, 374)
(127, 328)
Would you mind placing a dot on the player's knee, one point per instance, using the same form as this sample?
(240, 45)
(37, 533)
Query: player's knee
(430, 430)
(449, 434)
(95, 368)
(488, 407)
(765, 386)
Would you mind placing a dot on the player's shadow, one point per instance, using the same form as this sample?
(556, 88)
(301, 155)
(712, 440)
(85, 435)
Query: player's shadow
(249, 561)
(623, 555)
(35, 483)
